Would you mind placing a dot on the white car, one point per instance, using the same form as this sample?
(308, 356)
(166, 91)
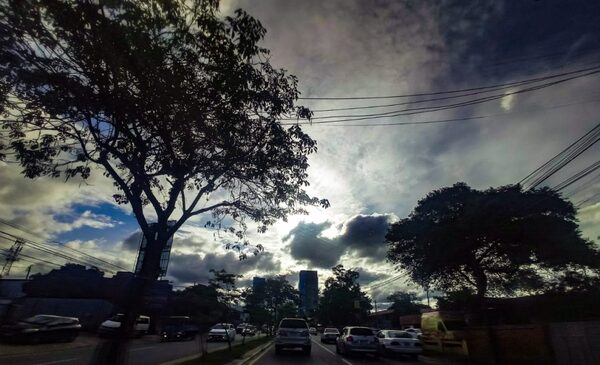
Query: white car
(415, 332)
(222, 332)
(111, 325)
(399, 342)
(330, 334)
(292, 333)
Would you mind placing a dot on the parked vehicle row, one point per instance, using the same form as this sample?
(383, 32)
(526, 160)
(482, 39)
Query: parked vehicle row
(41, 328)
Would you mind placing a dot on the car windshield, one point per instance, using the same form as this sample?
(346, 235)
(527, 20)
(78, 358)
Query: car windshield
(398, 334)
(220, 327)
(361, 331)
(293, 323)
(331, 330)
(116, 318)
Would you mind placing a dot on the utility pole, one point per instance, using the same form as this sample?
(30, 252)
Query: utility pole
(12, 255)
(28, 272)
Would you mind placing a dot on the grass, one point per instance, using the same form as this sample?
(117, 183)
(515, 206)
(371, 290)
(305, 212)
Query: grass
(224, 356)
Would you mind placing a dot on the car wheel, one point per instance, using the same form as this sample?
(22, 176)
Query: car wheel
(337, 349)
(306, 350)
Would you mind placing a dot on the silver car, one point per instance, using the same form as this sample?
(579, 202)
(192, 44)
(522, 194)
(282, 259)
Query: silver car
(329, 335)
(292, 333)
(355, 340)
(399, 342)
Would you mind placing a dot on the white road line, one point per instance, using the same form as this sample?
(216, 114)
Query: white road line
(142, 348)
(57, 362)
(333, 353)
(261, 355)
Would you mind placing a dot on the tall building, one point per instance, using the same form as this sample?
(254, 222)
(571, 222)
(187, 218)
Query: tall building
(258, 282)
(308, 286)
(164, 255)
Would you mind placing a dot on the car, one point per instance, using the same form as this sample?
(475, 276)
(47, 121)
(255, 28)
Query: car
(221, 332)
(177, 328)
(330, 334)
(249, 331)
(112, 325)
(415, 332)
(357, 340)
(399, 342)
(292, 333)
(312, 331)
(42, 328)
(240, 328)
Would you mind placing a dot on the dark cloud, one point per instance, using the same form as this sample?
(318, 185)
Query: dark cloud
(368, 277)
(364, 235)
(306, 243)
(132, 242)
(190, 268)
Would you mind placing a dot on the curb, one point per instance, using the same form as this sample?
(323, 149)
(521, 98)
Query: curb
(252, 355)
(197, 356)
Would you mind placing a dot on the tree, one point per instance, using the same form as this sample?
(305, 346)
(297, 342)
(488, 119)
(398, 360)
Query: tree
(223, 284)
(342, 301)
(176, 104)
(499, 241)
(265, 303)
(68, 281)
(404, 303)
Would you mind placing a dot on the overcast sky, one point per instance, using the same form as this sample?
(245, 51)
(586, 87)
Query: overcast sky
(372, 175)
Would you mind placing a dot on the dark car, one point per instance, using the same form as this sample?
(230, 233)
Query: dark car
(178, 328)
(42, 328)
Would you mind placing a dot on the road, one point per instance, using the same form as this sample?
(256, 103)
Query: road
(324, 354)
(145, 351)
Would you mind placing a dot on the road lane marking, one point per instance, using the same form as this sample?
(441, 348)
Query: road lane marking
(333, 353)
(57, 362)
(142, 348)
(264, 351)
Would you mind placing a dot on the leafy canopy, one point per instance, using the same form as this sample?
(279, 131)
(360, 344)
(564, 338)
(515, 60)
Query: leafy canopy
(178, 105)
(342, 301)
(496, 241)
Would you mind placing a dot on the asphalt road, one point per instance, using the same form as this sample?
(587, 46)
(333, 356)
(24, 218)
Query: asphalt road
(145, 351)
(324, 354)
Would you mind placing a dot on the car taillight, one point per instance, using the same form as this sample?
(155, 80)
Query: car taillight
(349, 339)
(282, 333)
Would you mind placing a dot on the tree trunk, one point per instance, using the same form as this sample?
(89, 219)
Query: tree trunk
(114, 350)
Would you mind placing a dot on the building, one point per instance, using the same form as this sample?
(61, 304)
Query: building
(308, 286)
(258, 282)
(165, 254)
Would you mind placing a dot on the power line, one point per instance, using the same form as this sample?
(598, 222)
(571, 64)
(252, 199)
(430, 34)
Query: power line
(578, 176)
(582, 202)
(36, 246)
(505, 84)
(451, 120)
(557, 162)
(62, 245)
(429, 109)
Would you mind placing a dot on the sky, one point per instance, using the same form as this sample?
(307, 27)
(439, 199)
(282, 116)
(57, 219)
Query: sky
(372, 175)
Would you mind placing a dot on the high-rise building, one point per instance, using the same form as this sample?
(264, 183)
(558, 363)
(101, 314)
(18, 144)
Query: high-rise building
(258, 282)
(164, 255)
(308, 286)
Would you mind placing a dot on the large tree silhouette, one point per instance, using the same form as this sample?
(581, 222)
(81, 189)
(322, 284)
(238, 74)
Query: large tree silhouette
(497, 241)
(176, 104)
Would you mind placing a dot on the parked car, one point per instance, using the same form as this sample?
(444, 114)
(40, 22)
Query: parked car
(357, 339)
(312, 331)
(240, 328)
(177, 328)
(42, 328)
(292, 333)
(221, 332)
(329, 335)
(112, 325)
(399, 342)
